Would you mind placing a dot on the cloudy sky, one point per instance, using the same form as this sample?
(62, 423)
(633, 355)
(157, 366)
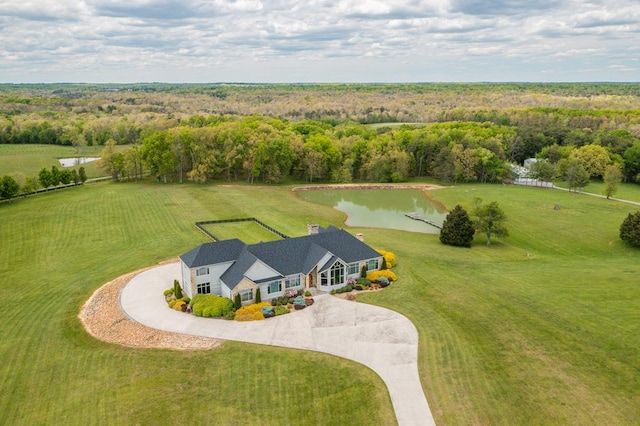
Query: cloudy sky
(319, 40)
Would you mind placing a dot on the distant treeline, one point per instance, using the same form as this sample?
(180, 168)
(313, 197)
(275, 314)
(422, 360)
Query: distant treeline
(467, 132)
(268, 149)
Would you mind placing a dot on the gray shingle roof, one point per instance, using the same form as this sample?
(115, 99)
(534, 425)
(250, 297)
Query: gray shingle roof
(289, 256)
(211, 253)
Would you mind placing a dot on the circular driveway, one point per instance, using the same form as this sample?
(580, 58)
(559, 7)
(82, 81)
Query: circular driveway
(379, 338)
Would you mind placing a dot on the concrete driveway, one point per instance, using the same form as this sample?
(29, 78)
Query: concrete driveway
(381, 339)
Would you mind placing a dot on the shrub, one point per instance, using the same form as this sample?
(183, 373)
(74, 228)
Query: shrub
(363, 271)
(383, 279)
(210, 305)
(307, 293)
(299, 301)
(178, 305)
(185, 299)
(358, 287)
(389, 258)
(291, 293)
(266, 310)
(258, 297)
(237, 302)
(348, 288)
(374, 275)
(457, 228)
(177, 290)
(630, 229)
(281, 310)
(172, 303)
(309, 301)
(363, 282)
(249, 311)
(333, 292)
(168, 292)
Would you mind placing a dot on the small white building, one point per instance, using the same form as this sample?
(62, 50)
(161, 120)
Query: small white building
(325, 259)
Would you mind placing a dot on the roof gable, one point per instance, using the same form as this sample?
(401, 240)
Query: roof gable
(212, 253)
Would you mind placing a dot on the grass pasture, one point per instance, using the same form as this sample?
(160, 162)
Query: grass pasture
(249, 232)
(30, 159)
(540, 328)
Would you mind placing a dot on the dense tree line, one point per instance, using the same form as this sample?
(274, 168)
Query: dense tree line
(471, 132)
(268, 149)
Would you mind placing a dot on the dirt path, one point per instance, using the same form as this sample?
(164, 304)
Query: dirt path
(103, 318)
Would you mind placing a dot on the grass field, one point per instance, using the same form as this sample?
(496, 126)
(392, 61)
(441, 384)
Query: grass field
(30, 159)
(540, 328)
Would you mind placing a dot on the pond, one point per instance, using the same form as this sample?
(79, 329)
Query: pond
(381, 208)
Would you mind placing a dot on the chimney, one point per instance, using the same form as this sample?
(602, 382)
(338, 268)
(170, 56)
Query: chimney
(360, 236)
(312, 228)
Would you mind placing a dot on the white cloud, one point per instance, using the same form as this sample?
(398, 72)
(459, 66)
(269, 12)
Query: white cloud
(317, 40)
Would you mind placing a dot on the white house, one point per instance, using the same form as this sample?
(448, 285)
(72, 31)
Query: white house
(324, 259)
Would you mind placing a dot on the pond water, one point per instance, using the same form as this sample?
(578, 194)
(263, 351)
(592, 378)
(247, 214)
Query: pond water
(74, 161)
(381, 208)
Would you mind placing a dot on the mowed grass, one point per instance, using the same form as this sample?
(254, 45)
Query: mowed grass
(30, 159)
(57, 248)
(249, 232)
(540, 328)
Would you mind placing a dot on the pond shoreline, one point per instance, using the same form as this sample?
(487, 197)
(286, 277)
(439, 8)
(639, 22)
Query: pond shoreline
(421, 186)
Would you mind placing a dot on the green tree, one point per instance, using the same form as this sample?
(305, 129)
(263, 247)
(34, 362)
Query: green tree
(612, 179)
(8, 187)
(593, 158)
(457, 228)
(543, 170)
(630, 229)
(45, 178)
(82, 174)
(490, 220)
(577, 176)
(632, 162)
(111, 162)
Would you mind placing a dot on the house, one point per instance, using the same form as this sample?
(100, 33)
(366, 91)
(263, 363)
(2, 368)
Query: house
(325, 259)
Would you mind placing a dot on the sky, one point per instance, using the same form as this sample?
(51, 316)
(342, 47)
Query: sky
(285, 41)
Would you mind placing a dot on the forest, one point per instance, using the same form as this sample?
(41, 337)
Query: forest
(335, 132)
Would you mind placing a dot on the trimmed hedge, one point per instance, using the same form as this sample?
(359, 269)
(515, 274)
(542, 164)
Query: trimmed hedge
(210, 305)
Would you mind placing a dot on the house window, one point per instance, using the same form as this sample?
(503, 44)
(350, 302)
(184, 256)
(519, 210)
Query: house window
(337, 273)
(292, 282)
(324, 280)
(246, 295)
(354, 268)
(202, 271)
(274, 287)
(204, 288)
(372, 264)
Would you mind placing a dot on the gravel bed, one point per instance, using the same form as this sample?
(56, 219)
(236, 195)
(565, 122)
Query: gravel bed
(103, 318)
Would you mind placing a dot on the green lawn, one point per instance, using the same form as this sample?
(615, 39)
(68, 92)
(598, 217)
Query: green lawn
(540, 328)
(249, 232)
(30, 159)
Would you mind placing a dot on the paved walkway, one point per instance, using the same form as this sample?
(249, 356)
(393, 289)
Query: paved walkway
(381, 339)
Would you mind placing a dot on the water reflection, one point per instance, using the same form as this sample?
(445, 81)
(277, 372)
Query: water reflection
(381, 208)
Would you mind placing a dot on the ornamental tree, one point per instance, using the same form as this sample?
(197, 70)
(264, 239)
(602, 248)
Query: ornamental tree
(490, 220)
(630, 229)
(457, 228)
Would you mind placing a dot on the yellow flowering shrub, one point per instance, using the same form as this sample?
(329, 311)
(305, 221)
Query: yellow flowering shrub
(389, 258)
(374, 275)
(251, 312)
(178, 305)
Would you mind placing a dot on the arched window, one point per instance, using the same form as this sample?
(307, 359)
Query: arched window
(337, 273)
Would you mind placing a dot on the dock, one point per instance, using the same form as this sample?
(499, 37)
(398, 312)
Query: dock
(416, 216)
